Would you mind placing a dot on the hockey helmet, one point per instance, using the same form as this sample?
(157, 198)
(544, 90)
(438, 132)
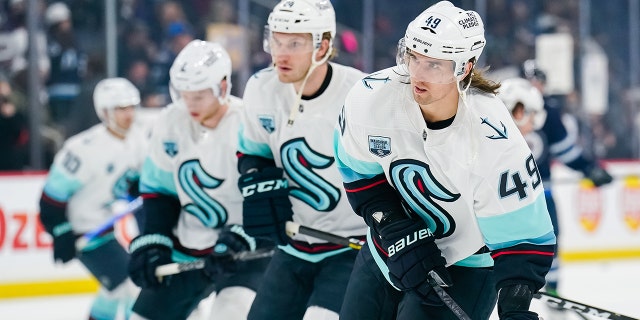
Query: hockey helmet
(56, 13)
(518, 90)
(114, 93)
(444, 31)
(302, 16)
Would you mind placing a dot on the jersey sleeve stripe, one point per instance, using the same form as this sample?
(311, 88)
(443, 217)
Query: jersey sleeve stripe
(543, 253)
(60, 186)
(369, 186)
(249, 147)
(155, 180)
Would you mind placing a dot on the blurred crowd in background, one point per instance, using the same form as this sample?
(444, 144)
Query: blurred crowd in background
(71, 57)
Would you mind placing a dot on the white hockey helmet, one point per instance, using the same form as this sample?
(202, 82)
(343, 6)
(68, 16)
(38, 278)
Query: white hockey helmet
(518, 90)
(302, 16)
(200, 65)
(56, 13)
(114, 93)
(444, 31)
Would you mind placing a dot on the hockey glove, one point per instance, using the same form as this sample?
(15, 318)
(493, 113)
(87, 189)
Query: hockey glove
(266, 207)
(599, 176)
(232, 239)
(148, 252)
(64, 243)
(514, 301)
(412, 253)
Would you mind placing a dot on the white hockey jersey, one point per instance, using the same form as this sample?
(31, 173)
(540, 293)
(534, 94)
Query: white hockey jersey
(197, 165)
(474, 182)
(93, 170)
(304, 149)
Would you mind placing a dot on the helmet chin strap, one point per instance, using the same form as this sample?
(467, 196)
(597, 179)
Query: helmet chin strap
(314, 64)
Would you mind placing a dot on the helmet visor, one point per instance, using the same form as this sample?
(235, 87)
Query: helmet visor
(286, 43)
(428, 69)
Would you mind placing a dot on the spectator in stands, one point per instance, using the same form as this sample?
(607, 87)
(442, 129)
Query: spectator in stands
(13, 136)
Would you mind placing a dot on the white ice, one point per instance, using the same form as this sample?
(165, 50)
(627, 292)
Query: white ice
(611, 285)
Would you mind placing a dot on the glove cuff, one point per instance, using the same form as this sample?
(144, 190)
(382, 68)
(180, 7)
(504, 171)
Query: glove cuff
(514, 297)
(239, 231)
(150, 240)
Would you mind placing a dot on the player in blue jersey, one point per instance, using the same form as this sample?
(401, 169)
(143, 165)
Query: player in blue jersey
(433, 163)
(541, 122)
(287, 164)
(191, 203)
(91, 176)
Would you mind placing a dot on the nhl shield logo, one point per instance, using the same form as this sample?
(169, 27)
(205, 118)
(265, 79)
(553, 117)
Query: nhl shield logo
(171, 148)
(268, 122)
(380, 146)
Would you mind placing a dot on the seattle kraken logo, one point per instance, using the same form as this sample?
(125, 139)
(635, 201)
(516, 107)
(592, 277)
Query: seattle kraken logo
(502, 134)
(371, 78)
(170, 148)
(193, 180)
(299, 160)
(268, 122)
(418, 188)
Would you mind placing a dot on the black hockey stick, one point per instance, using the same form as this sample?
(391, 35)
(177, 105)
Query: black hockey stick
(564, 303)
(178, 267)
(293, 228)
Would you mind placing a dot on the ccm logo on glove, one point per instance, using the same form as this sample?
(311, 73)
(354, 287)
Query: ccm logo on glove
(264, 186)
(408, 240)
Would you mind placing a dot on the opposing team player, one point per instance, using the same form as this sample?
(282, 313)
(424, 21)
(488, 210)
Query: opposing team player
(543, 126)
(285, 143)
(191, 201)
(90, 176)
(452, 196)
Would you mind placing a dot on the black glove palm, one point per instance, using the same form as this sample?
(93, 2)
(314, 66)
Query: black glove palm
(64, 243)
(147, 253)
(266, 207)
(412, 254)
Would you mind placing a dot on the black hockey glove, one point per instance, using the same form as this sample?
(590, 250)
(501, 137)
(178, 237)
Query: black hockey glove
(148, 252)
(64, 243)
(412, 253)
(266, 207)
(599, 176)
(514, 301)
(232, 239)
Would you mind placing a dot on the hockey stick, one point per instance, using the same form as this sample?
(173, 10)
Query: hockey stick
(293, 228)
(85, 238)
(177, 267)
(564, 303)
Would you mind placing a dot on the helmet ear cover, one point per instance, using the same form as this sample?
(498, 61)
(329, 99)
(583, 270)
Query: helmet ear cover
(446, 32)
(200, 65)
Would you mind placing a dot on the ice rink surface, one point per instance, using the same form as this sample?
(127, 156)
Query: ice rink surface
(610, 285)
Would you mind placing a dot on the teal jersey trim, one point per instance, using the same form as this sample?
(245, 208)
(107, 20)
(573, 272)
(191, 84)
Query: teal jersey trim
(156, 180)
(482, 260)
(314, 258)
(376, 257)
(530, 224)
(351, 168)
(253, 148)
(60, 186)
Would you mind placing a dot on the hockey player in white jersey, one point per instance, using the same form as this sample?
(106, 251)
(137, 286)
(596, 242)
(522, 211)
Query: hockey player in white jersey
(285, 141)
(91, 175)
(435, 165)
(191, 201)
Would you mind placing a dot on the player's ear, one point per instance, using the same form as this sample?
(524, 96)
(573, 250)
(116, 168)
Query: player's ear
(223, 88)
(324, 49)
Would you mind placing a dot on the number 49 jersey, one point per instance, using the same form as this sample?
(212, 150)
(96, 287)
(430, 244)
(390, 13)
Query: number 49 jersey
(474, 182)
(197, 165)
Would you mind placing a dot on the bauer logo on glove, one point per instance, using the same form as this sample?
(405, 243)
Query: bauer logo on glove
(408, 240)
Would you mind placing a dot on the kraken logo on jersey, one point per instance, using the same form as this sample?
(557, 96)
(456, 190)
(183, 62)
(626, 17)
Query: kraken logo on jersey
(299, 160)
(418, 187)
(171, 148)
(268, 122)
(193, 180)
(380, 146)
